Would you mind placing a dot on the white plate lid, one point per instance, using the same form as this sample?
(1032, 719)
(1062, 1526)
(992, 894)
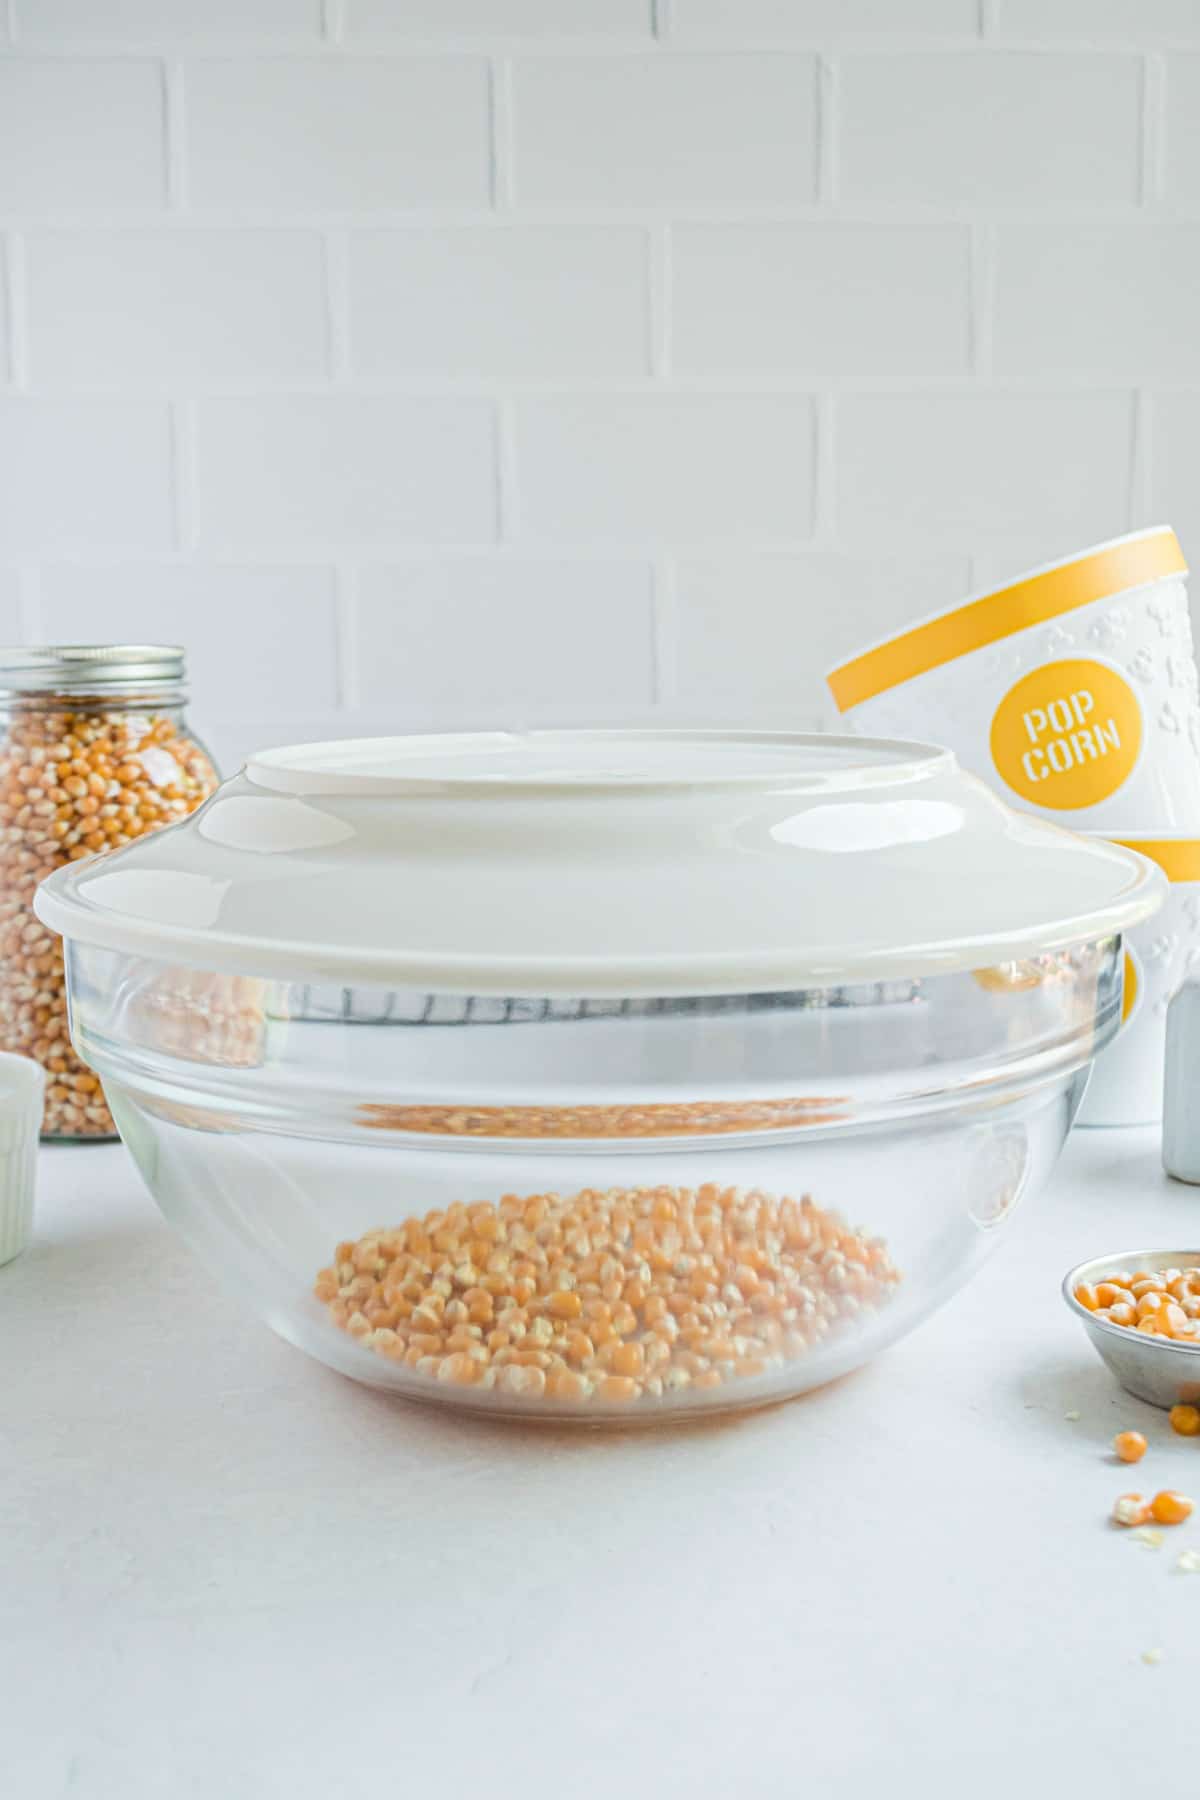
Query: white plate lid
(602, 863)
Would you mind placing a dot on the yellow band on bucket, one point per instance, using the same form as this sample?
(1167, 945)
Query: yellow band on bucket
(1121, 566)
(1178, 858)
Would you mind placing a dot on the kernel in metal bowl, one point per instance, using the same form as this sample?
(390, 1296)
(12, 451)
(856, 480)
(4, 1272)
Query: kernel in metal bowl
(1156, 1369)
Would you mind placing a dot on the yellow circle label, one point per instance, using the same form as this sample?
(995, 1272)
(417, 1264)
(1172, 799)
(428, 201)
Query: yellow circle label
(1067, 735)
(1132, 987)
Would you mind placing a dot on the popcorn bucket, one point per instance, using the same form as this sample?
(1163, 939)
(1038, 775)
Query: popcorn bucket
(1126, 1087)
(1073, 690)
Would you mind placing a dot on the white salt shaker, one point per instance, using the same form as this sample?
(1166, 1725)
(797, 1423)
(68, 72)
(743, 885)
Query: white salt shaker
(1181, 1093)
(22, 1093)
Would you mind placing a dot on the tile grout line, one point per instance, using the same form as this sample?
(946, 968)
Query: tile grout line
(507, 511)
(174, 123)
(981, 302)
(336, 262)
(182, 416)
(16, 295)
(29, 603)
(827, 132)
(295, 217)
(824, 483)
(658, 301)
(664, 649)
(503, 158)
(412, 554)
(367, 45)
(345, 614)
(755, 388)
(1154, 131)
(1141, 466)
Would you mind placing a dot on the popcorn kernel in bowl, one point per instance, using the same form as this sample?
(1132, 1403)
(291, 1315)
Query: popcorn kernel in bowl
(623, 1296)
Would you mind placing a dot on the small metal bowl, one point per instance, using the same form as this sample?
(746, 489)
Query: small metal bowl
(1155, 1369)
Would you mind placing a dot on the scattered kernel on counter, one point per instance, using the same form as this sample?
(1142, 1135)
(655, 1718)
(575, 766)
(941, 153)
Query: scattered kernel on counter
(1147, 1537)
(1073, 1418)
(1152, 1657)
(1130, 1446)
(1170, 1508)
(634, 1294)
(1189, 1562)
(1162, 1303)
(1185, 1420)
(1131, 1509)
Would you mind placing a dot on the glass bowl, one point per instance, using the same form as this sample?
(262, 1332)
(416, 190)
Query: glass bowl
(631, 1198)
(858, 1151)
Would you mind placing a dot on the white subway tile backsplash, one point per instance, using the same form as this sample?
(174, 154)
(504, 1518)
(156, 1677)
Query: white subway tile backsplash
(1175, 467)
(511, 637)
(499, 301)
(80, 136)
(997, 130)
(77, 474)
(344, 470)
(1115, 301)
(1182, 175)
(110, 309)
(388, 341)
(515, 18)
(821, 299)
(806, 20)
(10, 606)
(6, 344)
(760, 631)
(125, 21)
(1135, 21)
(953, 469)
(259, 640)
(735, 131)
(665, 467)
(338, 134)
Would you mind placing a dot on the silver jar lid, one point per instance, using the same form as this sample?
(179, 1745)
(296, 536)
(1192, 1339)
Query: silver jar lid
(88, 668)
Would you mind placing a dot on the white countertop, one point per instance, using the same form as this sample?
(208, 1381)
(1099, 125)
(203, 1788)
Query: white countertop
(227, 1572)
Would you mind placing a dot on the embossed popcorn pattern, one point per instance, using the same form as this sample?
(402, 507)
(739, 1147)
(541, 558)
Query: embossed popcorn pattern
(1145, 635)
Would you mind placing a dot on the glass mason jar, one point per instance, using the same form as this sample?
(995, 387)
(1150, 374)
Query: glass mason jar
(95, 751)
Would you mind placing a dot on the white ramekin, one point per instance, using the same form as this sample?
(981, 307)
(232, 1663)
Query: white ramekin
(22, 1090)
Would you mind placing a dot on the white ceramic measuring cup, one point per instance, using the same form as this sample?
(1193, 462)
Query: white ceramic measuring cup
(22, 1090)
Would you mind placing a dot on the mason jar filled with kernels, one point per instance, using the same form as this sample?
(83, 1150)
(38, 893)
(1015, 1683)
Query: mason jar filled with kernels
(95, 751)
